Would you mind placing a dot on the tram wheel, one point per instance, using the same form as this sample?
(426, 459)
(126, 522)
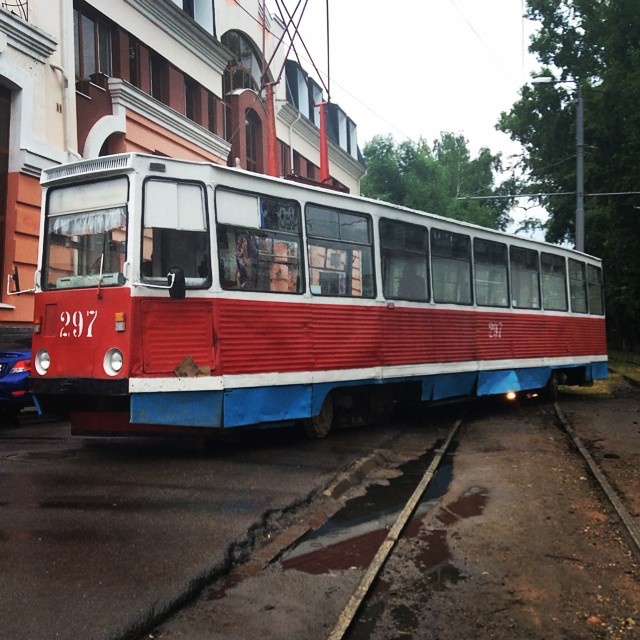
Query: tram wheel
(320, 425)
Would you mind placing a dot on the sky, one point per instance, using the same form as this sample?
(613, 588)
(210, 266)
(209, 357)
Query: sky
(459, 63)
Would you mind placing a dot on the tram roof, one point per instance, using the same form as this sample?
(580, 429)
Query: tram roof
(130, 162)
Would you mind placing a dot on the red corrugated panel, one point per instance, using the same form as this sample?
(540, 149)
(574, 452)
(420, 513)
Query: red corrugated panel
(346, 337)
(283, 337)
(255, 336)
(173, 330)
(414, 335)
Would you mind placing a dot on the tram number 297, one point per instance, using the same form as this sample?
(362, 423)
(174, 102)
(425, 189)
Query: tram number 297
(495, 330)
(76, 324)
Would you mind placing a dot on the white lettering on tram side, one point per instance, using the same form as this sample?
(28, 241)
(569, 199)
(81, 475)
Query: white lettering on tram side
(495, 330)
(76, 324)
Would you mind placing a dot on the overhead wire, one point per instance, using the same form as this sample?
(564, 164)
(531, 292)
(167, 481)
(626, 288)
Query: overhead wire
(322, 76)
(481, 39)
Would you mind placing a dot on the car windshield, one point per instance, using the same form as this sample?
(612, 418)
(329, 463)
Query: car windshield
(86, 235)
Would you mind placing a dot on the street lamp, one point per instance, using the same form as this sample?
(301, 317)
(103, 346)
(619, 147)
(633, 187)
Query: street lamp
(579, 155)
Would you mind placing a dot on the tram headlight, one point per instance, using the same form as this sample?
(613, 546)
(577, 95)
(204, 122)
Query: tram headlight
(113, 361)
(42, 361)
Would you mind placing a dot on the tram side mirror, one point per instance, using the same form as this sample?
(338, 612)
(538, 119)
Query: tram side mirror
(177, 286)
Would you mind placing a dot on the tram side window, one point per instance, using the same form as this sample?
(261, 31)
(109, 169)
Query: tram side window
(594, 279)
(554, 282)
(404, 250)
(451, 267)
(340, 253)
(578, 286)
(491, 273)
(175, 232)
(261, 250)
(525, 278)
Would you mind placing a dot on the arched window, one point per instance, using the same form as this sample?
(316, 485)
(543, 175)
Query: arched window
(245, 72)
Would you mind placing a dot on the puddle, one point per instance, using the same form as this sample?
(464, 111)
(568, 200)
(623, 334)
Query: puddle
(432, 557)
(471, 503)
(353, 535)
(351, 538)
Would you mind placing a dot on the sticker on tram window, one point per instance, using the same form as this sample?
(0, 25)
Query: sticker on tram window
(76, 324)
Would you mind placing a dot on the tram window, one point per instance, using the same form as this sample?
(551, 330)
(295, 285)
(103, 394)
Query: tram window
(578, 286)
(85, 237)
(340, 253)
(265, 257)
(491, 273)
(554, 282)
(404, 250)
(594, 279)
(175, 232)
(525, 278)
(451, 267)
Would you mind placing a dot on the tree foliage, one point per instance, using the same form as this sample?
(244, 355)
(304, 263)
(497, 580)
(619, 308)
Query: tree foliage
(437, 178)
(596, 45)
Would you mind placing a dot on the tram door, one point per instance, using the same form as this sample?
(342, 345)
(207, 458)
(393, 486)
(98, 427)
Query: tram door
(175, 235)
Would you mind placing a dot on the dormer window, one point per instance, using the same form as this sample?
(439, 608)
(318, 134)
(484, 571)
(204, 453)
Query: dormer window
(201, 11)
(245, 72)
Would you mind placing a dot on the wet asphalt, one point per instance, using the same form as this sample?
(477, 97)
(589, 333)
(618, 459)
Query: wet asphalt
(100, 538)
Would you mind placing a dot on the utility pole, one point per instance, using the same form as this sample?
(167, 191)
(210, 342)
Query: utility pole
(579, 222)
(579, 170)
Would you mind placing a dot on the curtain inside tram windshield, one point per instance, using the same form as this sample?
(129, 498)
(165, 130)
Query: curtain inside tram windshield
(86, 235)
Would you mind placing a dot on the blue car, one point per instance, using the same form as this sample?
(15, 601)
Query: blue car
(15, 367)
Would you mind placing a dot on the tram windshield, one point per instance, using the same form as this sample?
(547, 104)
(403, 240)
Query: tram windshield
(86, 231)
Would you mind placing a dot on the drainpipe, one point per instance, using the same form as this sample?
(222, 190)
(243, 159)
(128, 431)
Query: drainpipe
(65, 112)
(66, 14)
(272, 151)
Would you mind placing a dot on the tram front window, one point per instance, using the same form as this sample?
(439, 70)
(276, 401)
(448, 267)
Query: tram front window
(85, 244)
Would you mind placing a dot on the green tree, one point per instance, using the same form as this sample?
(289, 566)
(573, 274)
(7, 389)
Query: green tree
(595, 45)
(438, 178)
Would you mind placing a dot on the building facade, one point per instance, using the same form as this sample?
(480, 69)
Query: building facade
(178, 78)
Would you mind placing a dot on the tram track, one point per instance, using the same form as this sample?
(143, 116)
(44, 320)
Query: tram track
(356, 600)
(631, 528)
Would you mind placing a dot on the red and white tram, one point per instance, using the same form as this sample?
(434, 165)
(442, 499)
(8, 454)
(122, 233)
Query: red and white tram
(178, 295)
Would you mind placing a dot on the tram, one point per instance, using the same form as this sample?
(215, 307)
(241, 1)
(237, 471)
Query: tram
(173, 295)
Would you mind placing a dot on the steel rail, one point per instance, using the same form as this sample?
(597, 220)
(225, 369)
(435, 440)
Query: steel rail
(624, 515)
(357, 598)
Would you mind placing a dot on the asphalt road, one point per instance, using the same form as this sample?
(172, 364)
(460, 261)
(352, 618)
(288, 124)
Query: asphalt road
(98, 538)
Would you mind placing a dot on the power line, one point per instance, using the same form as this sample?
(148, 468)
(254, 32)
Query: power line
(553, 193)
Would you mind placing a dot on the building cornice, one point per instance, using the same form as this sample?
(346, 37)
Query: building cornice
(26, 37)
(179, 26)
(31, 162)
(308, 131)
(126, 96)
